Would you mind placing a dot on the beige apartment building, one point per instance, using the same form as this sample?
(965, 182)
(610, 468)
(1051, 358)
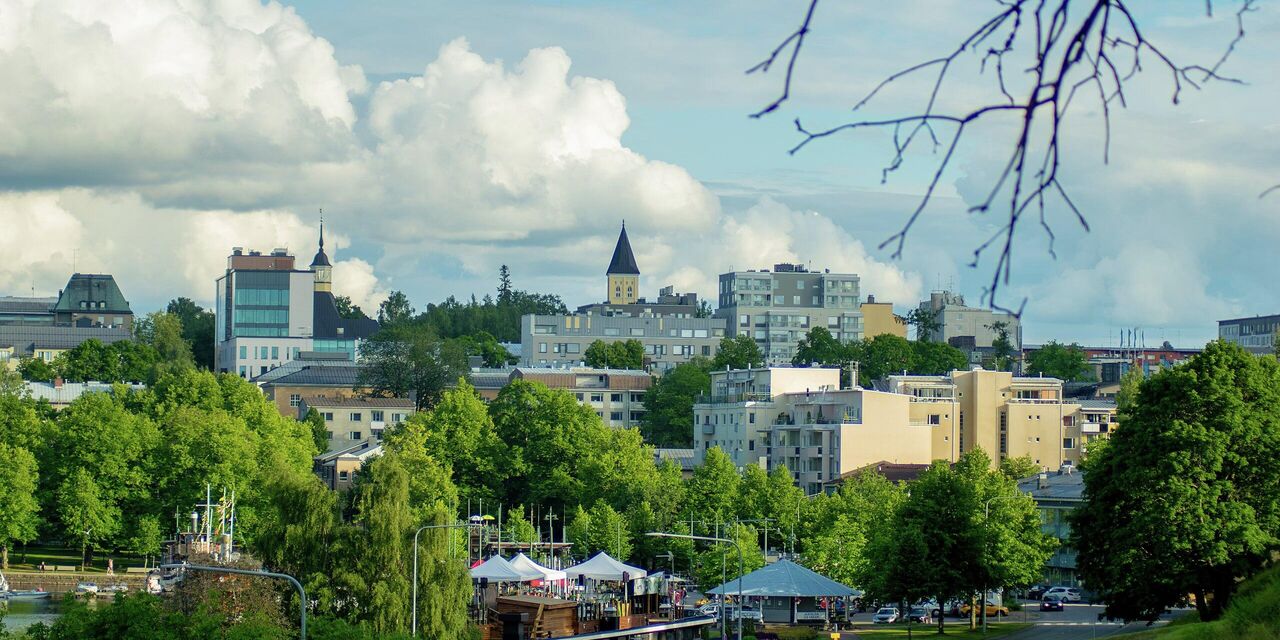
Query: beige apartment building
(616, 395)
(878, 318)
(351, 421)
(801, 418)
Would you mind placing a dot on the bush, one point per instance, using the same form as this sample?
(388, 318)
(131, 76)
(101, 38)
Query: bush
(1014, 605)
(797, 633)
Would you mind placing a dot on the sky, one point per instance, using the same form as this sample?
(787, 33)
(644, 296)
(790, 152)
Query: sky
(145, 138)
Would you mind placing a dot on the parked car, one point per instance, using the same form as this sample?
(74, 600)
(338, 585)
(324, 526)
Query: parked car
(886, 615)
(920, 615)
(993, 609)
(1037, 592)
(747, 613)
(709, 610)
(1069, 594)
(1051, 602)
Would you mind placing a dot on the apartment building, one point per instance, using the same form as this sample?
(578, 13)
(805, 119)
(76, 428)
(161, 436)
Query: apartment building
(616, 395)
(878, 318)
(1257, 334)
(91, 306)
(561, 340)
(311, 374)
(353, 420)
(338, 469)
(46, 342)
(778, 308)
(743, 404)
(267, 312)
(971, 329)
(1008, 416)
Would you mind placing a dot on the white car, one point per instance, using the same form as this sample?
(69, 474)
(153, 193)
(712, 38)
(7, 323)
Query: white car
(886, 615)
(1067, 594)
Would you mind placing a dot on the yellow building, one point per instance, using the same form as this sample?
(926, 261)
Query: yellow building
(623, 273)
(878, 318)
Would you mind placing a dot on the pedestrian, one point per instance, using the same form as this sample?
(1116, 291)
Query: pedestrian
(42, 565)
(111, 566)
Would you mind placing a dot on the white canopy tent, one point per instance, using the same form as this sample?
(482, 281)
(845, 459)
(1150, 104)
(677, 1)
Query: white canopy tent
(496, 569)
(524, 565)
(603, 567)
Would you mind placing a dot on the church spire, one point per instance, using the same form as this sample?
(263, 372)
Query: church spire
(321, 259)
(624, 261)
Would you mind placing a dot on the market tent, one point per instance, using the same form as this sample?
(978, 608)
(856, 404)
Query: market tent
(602, 567)
(496, 569)
(524, 565)
(784, 579)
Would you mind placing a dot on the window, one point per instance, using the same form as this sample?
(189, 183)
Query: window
(615, 397)
(706, 349)
(636, 331)
(328, 416)
(686, 333)
(376, 416)
(1068, 443)
(699, 333)
(751, 417)
(612, 331)
(377, 434)
(616, 416)
(244, 352)
(542, 347)
(242, 371)
(573, 347)
(118, 321)
(342, 475)
(744, 320)
(544, 328)
(356, 435)
(751, 444)
(579, 397)
(275, 353)
(935, 418)
(295, 399)
(328, 435)
(1068, 421)
(397, 418)
(817, 300)
(597, 397)
(795, 300)
(800, 285)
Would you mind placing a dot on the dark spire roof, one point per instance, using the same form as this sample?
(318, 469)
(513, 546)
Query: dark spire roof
(624, 262)
(321, 260)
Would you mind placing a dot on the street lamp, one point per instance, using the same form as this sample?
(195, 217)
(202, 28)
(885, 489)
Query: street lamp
(414, 627)
(986, 517)
(724, 625)
(302, 593)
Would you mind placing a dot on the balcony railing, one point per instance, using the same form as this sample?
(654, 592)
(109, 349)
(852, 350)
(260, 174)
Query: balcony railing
(1035, 401)
(932, 399)
(732, 398)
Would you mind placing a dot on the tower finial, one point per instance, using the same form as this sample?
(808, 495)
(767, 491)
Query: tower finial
(322, 229)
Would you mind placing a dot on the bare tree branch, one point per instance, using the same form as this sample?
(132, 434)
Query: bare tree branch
(1073, 44)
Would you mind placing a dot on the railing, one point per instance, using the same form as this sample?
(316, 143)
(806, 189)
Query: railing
(1035, 401)
(731, 398)
(932, 399)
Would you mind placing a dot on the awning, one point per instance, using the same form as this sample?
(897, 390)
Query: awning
(496, 569)
(602, 567)
(524, 565)
(784, 579)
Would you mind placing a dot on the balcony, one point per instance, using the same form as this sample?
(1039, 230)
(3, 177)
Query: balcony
(1090, 427)
(1034, 401)
(734, 398)
(708, 429)
(946, 399)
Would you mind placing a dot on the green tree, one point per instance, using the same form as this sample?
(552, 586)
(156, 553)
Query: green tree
(84, 514)
(395, 310)
(319, 430)
(19, 510)
(444, 590)
(36, 369)
(347, 310)
(386, 521)
(622, 354)
(936, 358)
(409, 361)
(1129, 384)
(1002, 350)
(715, 488)
(738, 352)
(1018, 468)
(718, 564)
(926, 323)
(517, 527)
(600, 528)
(860, 515)
(459, 434)
(197, 329)
(1054, 359)
(820, 347)
(882, 356)
(483, 344)
(504, 285)
(1183, 499)
(668, 404)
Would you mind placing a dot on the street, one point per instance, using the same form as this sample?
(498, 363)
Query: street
(1075, 622)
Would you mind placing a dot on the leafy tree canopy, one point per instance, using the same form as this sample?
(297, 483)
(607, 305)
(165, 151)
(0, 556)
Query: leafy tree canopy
(1054, 359)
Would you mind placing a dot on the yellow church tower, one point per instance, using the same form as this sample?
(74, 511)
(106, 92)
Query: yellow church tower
(623, 274)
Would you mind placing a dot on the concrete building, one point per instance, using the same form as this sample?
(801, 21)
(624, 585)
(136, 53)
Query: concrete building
(561, 340)
(267, 312)
(338, 469)
(352, 420)
(45, 342)
(616, 395)
(969, 328)
(312, 373)
(1008, 416)
(777, 308)
(1057, 494)
(742, 405)
(878, 318)
(1256, 334)
(669, 304)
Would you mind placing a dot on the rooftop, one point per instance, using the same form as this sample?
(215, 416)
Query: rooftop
(892, 471)
(345, 375)
(16, 304)
(360, 451)
(623, 262)
(1099, 404)
(1066, 484)
(91, 291)
(68, 392)
(25, 338)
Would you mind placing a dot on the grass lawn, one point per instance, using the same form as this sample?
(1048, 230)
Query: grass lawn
(29, 559)
(994, 630)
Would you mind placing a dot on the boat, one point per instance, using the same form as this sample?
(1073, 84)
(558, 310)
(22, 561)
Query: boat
(4, 584)
(31, 594)
(113, 589)
(86, 588)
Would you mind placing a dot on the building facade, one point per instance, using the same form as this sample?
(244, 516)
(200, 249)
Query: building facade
(969, 328)
(616, 395)
(878, 318)
(561, 340)
(1257, 334)
(353, 420)
(338, 469)
(45, 342)
(267, 312)
(310, 374)
(778, 308)
(1057, 494)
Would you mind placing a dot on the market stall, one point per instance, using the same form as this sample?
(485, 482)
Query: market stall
(786, 592)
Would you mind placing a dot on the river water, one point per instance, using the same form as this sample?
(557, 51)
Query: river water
(20, 614)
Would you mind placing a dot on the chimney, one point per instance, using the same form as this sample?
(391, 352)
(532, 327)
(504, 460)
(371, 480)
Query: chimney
(1043, 481)
(1066, 469)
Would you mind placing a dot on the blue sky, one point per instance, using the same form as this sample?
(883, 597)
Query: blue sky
(527, 141)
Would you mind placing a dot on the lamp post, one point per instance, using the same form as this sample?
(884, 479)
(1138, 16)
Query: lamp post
(986, 517)
(414, 626)
(302, 593)
(724, 625)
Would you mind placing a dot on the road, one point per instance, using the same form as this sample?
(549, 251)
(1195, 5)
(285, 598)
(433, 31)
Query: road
(1075, 622)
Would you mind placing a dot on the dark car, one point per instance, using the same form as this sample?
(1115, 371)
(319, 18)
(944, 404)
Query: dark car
(1037, 592)
(1051, 602)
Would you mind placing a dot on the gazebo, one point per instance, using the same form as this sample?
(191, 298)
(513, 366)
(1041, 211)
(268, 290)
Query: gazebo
(788, 592)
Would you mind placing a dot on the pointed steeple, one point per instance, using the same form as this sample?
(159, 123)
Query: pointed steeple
(321, 260)
(624, 262)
